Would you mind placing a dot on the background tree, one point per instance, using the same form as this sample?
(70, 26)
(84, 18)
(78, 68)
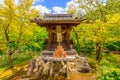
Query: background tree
(15, 21)
(98, 31)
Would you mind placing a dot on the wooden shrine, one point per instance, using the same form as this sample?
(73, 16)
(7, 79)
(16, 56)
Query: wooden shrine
(58, 27)
(58, 45)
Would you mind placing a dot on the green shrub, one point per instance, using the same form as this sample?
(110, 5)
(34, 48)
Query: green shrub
(1, 52)
(113, 75)
(113, 46)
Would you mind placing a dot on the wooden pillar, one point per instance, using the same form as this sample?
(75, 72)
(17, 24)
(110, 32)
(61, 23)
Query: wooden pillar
(67, 68)
(49, 36)
(51, 70)
(68, 34)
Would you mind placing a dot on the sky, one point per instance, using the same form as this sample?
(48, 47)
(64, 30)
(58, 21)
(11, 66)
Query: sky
(51, 6)
(51, 3)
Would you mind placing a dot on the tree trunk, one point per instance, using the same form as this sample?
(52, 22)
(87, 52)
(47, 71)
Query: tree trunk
(10, 60)
(98, 52)
(30, 52)
(77, 38)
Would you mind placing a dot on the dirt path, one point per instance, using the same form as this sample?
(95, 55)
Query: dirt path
(4, 75)
(82, 76)
(17, 73)
(73, 76)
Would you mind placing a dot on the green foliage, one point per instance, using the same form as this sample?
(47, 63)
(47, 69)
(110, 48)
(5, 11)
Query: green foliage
(113, 75)
(113, 46)
(23, 57)
(101, 30)
(16, 30)
(108, 69)
(1, 52)
(106, 34)
(88, 47)
(36, 41)
(18, 58)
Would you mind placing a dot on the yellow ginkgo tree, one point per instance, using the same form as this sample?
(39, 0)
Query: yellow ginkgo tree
(14, 22)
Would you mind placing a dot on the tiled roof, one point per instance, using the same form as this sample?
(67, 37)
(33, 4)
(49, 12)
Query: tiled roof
(57, 19)
(57, 16)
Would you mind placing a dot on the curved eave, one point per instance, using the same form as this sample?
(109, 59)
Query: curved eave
(57, 22)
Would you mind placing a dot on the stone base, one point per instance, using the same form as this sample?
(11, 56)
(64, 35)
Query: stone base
(82, 64)
(48, 66)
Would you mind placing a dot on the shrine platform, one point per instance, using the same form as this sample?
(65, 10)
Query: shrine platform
(70, 54)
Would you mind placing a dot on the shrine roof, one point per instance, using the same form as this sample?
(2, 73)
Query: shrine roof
(57, 16)
(57, 19)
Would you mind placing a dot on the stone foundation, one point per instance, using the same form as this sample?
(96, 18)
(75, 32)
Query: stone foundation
(54, 67)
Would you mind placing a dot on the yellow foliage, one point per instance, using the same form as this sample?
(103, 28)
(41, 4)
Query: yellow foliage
(2, 46)
(33, 13)
(113, 19)
(9, 3)
(9, 72)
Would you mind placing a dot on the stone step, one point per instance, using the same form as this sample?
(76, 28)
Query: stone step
(54, 46)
